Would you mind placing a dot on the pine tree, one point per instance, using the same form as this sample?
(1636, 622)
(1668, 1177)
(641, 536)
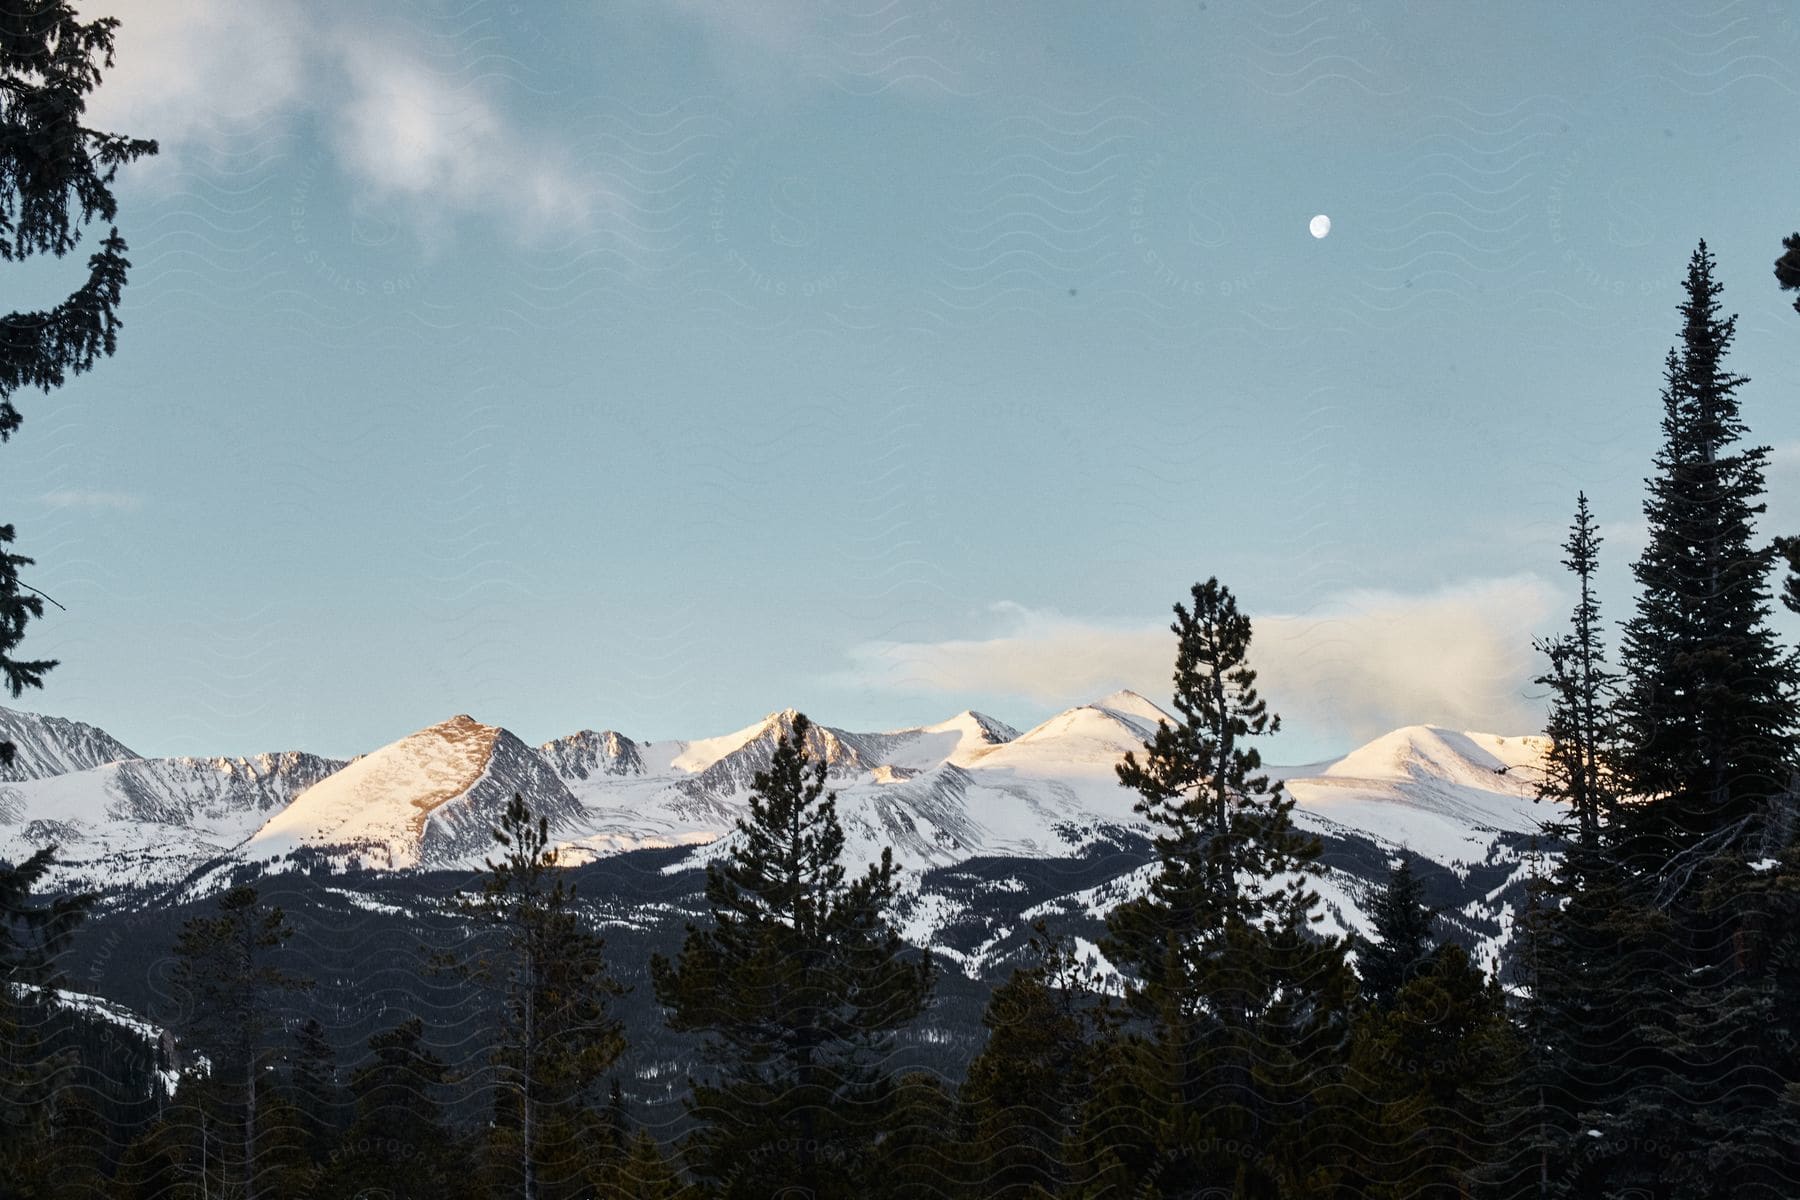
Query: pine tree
(1432, 1074)
(228, 983)
(1661, 1009)
(313, 1091)
(56, 178)
(176, 1157)
(1714, 1002)
(1580, 765)
(558, 1037)
(1597, 961)
(1789, 549)
(1021, 1103)
(1428, 1101)
(35, 930)
(399, 1140)
(1787, 267)
(1403, 937)
(1595, 952)
(642, 1172)
(1708, 709)
(1711, 721)
(797, 987)
(1248, 1003)
(916, 1156)
(1747, 1115)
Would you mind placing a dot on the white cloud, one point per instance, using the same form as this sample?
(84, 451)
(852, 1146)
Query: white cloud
(78, 498)
(412, 133)
(196, 73)
(1365, 664)
(210, 79)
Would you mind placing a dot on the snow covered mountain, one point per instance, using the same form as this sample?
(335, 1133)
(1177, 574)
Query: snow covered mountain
(46, 746)
(581, 755)
(430, 799)
(1440, 794)
(946, 798)
(144, 822)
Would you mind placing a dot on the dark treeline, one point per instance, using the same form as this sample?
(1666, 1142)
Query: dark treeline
(1649, 1048)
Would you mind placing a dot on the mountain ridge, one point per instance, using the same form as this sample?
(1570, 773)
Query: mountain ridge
(964, 786)
(969, 806)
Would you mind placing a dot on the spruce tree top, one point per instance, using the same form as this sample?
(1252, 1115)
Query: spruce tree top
(793, 941)
(1403, 936)
(1709, 708)
(1234, 870)
(1580, 764)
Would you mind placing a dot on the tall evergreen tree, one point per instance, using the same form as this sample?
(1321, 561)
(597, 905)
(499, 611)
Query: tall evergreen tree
(399, 1141)
(56, 177)
(1433, 1075)
(313, 1091)
(1602, 963)
(1403, 940)
(177, 1157)
(35, 929)
(1427, 1103)
(1787, 274)
(228, 986)
(1022, 1100)
(1248, 1004)
(1580, 764)
(1725, 1105)
(1708, 708)
(558, 1037)
(1595, 950)
(797, 987)
(1662, 1010)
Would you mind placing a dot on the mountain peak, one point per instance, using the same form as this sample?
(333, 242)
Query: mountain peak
(589, 752)
(1415, 751)
(386, 797)
(461, 721)
(48, 746)
(1088, 736)
(1131, 704)
(982, 728)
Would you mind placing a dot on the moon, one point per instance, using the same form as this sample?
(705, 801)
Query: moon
(1319, 226)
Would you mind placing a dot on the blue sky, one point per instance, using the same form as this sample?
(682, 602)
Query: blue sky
(657, 364)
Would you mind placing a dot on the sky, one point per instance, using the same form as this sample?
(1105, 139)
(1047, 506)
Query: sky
(657, 364)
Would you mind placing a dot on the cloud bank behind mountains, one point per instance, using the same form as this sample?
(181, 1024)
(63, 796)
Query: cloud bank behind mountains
(1367, 663)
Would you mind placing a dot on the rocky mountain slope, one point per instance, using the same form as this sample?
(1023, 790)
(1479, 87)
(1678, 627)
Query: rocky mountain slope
(46, 746)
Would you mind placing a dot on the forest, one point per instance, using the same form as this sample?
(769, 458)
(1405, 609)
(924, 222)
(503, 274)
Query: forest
(1646, 1043)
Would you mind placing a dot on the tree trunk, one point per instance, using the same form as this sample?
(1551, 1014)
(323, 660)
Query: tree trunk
(250, 1130)
(527, 1104)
